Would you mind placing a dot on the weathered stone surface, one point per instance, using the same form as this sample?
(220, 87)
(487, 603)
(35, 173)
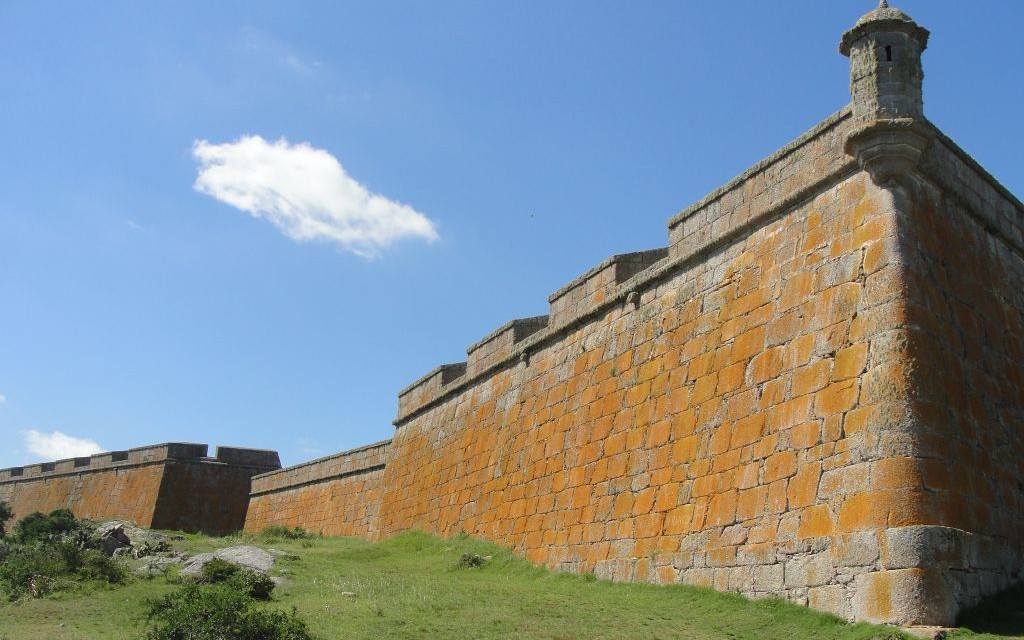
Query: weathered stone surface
(905, 597)
(926, 547)
(167, 486)
(336, 495)
(776, 406)
(242, 555)
(815, 392)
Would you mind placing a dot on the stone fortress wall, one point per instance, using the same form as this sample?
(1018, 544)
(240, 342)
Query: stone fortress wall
(166, 486)
(814, 391)
(337, 495)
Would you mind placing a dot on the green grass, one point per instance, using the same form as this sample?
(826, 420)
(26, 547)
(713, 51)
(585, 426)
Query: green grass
(411, 587)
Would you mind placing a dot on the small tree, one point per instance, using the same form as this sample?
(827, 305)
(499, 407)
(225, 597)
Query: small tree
(6, 513)
(46, 527)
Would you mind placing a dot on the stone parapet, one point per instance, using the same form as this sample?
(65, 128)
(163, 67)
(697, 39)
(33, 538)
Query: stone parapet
(261, 458)
(775, 184)
(363, 459)
(810, 165)
(599, 283)
(176, 450)
(500, 343)
(335, 495)
(182, 451)
(423, 391)
(979, 193)
(173, 485)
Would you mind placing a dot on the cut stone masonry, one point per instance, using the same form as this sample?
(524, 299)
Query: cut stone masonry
(814, 392)
(166, 486)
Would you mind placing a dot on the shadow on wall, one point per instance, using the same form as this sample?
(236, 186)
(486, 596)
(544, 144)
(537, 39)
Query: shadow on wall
(1000, 615)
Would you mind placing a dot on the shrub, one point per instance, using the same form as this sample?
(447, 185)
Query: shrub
(37, 526)
(34, 571)
(255, 584)
(279, 531)
(96, 565)
(50, 553)
(6, 513)
(217, 570)
(149, 548)
(472, 561)
(215, 612)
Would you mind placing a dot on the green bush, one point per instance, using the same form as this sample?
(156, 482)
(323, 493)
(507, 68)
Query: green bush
(51, 552)
(6, 513)
(37, 526)
(32, 570)
(279, 531)
(215, 612)
(217, 570)
(96, 565)
(255, 584)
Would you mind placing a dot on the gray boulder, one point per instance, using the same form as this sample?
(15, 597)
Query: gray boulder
(112, 537)
(243, 556)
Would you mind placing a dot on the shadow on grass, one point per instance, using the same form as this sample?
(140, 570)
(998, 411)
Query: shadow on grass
(1001, 615)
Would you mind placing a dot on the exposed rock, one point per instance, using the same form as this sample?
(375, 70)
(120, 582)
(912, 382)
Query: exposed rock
(112, 537)
(135, 535)
(158, 565)
(243, 556)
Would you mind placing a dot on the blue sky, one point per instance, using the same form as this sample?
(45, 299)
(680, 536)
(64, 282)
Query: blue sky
(420, 173)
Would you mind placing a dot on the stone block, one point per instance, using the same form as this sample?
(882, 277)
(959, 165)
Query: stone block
(858, 549)
(830, 599)
(926, 547)
(809, 571)
(768, 578)
(904, 597)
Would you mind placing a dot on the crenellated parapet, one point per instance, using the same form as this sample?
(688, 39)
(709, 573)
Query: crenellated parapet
(783, 180)
(178, 451)
(174, 485)
(617, 280)
(500, 344)
(599, 284)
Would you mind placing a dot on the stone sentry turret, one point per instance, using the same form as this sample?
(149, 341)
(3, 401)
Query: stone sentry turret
(885, 48)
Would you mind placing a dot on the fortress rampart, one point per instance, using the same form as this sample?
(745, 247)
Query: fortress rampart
(335, 495)
(166, 486)
(814, 392)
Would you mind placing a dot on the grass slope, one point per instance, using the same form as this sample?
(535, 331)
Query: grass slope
(410, 587)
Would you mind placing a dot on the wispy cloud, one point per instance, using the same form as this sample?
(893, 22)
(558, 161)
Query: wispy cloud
(3, 398)
(58, 445)
(134, 226)
(274, 51)
(299, 65)
(306, 193)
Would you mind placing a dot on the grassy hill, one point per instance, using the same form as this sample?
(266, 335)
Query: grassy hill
(412, 586)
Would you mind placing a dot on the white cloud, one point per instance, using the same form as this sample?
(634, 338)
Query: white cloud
(57, 445)
(3, 398)
(131, 224)
(306, 193)
(299, 65)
